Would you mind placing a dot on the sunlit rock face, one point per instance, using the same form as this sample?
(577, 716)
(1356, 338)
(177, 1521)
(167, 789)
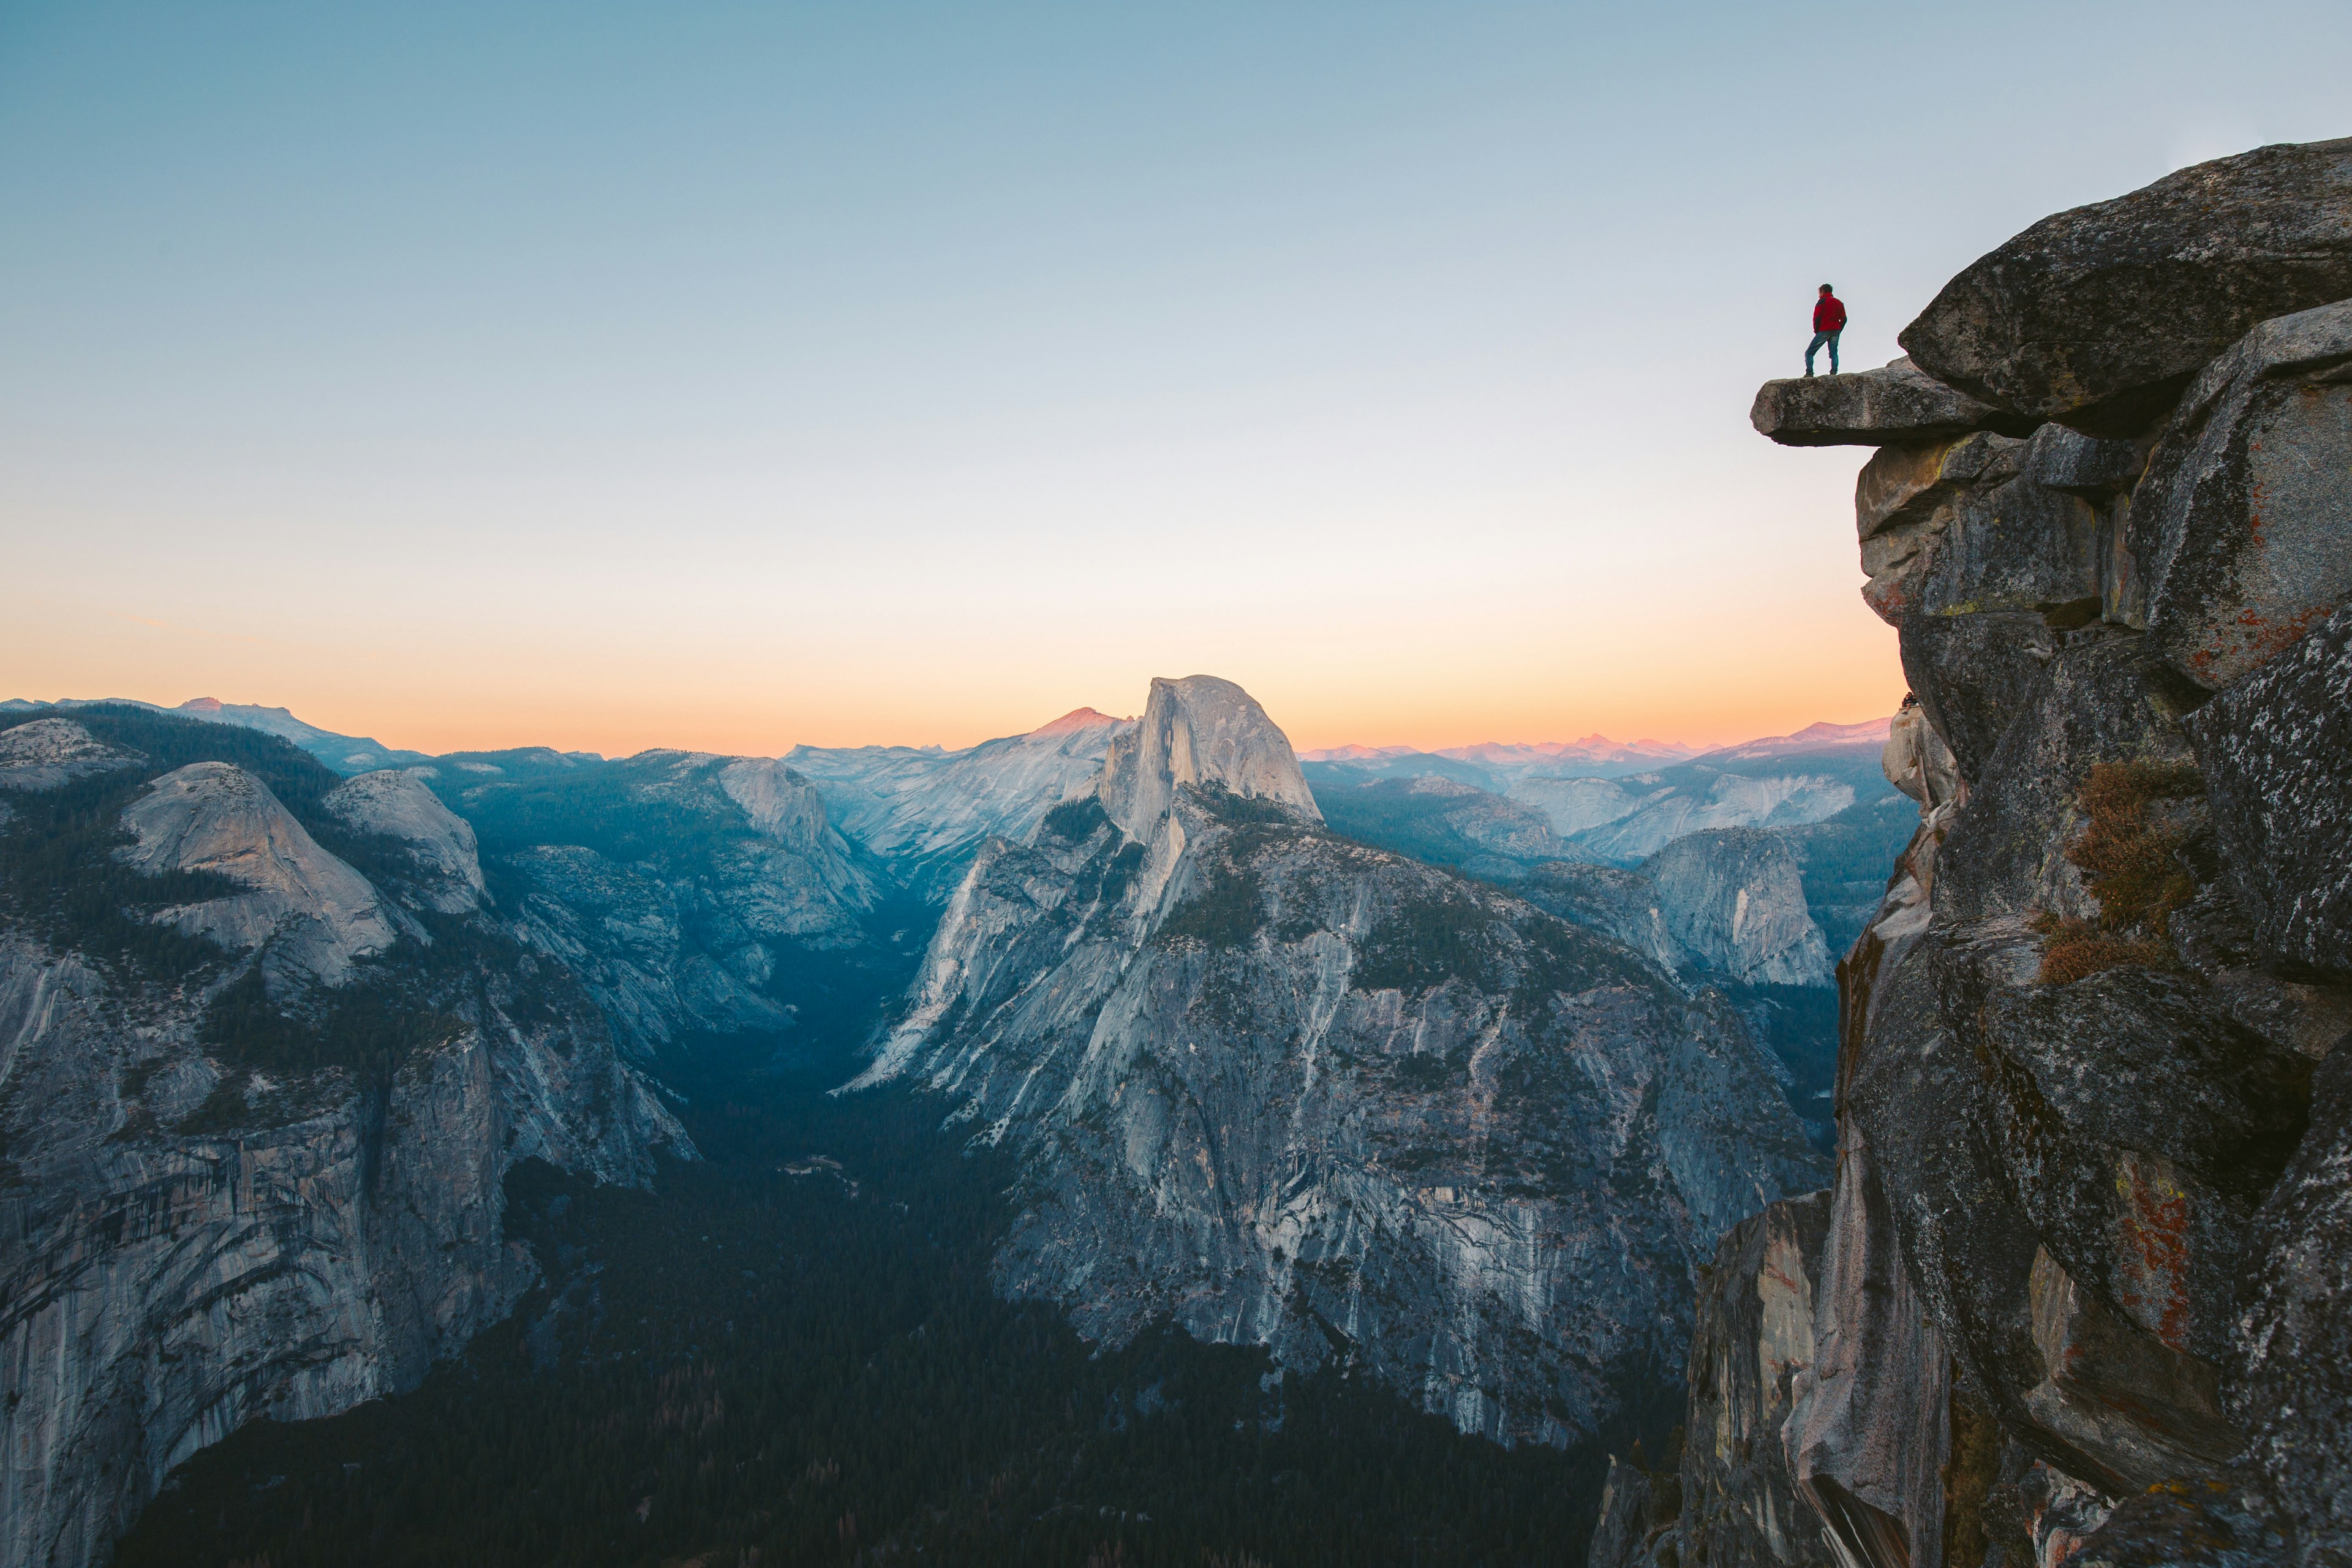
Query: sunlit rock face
(210, 1210)
(2081, 1293)
(926, 812)
(314, 911)
(1293, 1091)
(1200, 731)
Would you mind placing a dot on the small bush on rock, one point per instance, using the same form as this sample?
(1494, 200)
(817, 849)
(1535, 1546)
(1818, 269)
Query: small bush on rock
(2132, 852)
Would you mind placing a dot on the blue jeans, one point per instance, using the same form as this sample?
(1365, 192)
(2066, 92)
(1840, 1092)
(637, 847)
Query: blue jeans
(1814, 347)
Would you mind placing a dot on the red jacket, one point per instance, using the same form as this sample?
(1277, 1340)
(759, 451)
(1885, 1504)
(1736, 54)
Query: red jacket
(1829, 315)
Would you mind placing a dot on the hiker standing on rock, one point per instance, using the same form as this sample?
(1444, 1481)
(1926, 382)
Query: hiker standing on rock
(1829, 321)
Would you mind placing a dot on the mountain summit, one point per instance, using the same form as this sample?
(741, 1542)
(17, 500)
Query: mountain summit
(1200, 730)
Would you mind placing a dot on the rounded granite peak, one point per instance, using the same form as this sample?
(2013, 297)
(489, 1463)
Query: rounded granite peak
(1199, 730)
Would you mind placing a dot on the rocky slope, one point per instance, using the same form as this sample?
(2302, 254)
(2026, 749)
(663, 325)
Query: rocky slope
(2082, 1294)
(264, 1064)
(690, 893)
(1728, 902)
(1296, 1090)
(926, 811)
(346, 755)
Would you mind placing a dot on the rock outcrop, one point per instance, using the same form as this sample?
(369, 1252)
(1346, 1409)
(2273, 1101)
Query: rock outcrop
(2098, 317)
(2241, 536)
(1293, 1091)
(1199, 731)
(1727, 904)
(2081, 1293)
(315, 913)
(49, 753)
(1753, 1340)
(221, 1199)
(439, 844)
(1873, 408)
(1734, 899)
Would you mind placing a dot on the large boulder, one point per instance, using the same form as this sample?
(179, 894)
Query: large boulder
(2241, 531)
(2274, 752)
(1873, 408)
(2099, 316)
(1965, 527)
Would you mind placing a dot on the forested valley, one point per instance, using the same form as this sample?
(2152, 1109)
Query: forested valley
(788, 1353)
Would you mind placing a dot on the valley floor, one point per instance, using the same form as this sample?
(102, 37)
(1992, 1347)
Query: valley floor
(775, 1358)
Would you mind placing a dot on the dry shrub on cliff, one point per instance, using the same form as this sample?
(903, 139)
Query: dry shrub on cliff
(2132, 851)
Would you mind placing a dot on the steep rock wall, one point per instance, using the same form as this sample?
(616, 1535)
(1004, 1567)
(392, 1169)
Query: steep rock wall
(1293, 1090)
(218, 1202)
(2082, 1291)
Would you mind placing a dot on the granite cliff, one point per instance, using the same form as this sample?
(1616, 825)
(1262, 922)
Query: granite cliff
(925, 811)
(691, 894)
(1291, 1090)
(2079, 1292)
(266, 1056)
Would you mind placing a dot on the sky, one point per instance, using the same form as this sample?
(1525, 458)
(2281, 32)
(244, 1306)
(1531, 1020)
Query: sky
(732, 377)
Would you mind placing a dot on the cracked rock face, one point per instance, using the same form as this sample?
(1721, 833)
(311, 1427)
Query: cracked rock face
(1200, 730)
(1754, 1339)
(1293, 1090)
(2081, 1294)
(2098, 317)
(2242, 528)
(192, 1237)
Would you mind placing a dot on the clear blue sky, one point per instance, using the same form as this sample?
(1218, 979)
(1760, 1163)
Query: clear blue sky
(730, 375)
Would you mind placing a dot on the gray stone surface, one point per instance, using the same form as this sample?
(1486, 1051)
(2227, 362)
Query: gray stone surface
(736, 875)
(1872, 408)
(314, 913)
(926, 811)
(2098, 317)
(2295, 1394)
(2274, 751)
(1733, 898)
(2086, 1193)
(2242, 528)
(47, 753)
(1300, 1093)
(188, 1242)
(446, 861)
(1626, 1536)
(1865, 1437)
(1195, 732)
(1753, 1339)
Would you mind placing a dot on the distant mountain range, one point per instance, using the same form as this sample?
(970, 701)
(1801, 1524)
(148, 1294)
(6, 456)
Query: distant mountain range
(1594, 756)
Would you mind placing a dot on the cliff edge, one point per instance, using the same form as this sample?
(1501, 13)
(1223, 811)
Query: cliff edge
(2083, 1292)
